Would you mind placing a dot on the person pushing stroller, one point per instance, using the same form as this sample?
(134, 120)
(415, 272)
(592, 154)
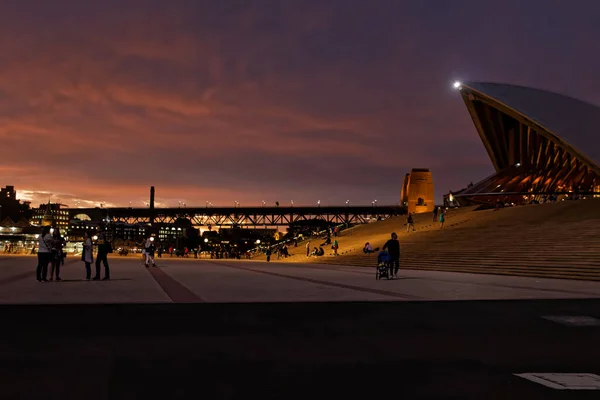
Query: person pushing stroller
(393, 248)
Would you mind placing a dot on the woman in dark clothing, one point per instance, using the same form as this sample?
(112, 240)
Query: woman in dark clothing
(57, 254)
(87, 255)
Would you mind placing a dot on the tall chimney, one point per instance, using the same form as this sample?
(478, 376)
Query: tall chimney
(151, 204)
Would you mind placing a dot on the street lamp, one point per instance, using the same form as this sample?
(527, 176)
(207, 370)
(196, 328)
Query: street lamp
(318, 203)
(257, 241)
(264, 203)
(95, 237)
(205, 240)
(292, 203)
(206, 203)
(347, 203)
(183, 205)
(179, 204)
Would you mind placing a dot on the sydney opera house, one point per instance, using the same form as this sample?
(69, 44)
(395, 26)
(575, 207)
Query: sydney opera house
(540, 143)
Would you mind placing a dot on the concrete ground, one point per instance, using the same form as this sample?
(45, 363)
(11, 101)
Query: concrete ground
(251, 329)
(190, 280)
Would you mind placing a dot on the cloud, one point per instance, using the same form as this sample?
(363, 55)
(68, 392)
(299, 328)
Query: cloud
(246, 100)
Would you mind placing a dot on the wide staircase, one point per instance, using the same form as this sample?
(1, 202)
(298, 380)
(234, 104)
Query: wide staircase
(352, 240)
(559, 240)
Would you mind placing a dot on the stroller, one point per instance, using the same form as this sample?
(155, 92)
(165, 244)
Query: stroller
(384, 267)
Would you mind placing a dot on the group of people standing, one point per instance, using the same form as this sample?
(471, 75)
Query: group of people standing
(50, 252)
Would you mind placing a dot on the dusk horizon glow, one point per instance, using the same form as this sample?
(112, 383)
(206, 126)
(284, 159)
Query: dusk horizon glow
(227, 101)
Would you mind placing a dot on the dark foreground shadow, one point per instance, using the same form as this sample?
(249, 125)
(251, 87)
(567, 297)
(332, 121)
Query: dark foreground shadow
(412, 350)
(88, 280)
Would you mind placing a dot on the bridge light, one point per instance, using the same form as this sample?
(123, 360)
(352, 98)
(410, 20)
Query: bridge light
(257, 241)
(457, 85)
(205, 240)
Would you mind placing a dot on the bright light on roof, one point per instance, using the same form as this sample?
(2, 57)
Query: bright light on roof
(457, 85)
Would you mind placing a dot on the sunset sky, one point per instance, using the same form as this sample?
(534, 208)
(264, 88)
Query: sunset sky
(225, 100)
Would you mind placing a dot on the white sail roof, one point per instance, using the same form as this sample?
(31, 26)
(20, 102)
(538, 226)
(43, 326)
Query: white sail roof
(574, 121)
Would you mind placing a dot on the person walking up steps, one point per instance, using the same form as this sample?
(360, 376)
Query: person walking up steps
(335, 247)
(442, 218)
(410, 223)
(308, 248)
(393, 248)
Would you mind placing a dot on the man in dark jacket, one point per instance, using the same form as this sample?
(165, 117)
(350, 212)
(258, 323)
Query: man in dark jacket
(393, 248)
(102, 257)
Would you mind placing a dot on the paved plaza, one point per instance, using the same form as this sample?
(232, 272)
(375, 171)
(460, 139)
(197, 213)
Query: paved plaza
(251, 329)
(221, 281)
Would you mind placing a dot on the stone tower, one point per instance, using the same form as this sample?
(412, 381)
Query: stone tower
(417, 191)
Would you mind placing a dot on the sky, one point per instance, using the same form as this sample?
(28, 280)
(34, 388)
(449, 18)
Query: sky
(235, 100)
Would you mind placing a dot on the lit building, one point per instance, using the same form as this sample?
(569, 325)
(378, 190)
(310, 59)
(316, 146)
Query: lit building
(8, 193)
(168, 233)
(51, 214)
(417, 191)
(539, 143)
(11, 207)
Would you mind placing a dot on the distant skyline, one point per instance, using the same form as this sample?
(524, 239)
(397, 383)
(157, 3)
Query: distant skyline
(301, 100)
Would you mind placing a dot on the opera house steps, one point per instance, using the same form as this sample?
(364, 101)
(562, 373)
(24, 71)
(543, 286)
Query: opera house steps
(557, 240)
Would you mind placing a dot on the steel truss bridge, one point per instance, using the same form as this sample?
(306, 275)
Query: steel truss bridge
(251, 217)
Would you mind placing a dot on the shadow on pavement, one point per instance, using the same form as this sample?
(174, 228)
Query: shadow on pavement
(461, 350)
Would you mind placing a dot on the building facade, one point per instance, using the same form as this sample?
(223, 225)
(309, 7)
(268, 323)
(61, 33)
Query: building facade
(11, 207)
(417, 191)
(540, 143)
(51, 214)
